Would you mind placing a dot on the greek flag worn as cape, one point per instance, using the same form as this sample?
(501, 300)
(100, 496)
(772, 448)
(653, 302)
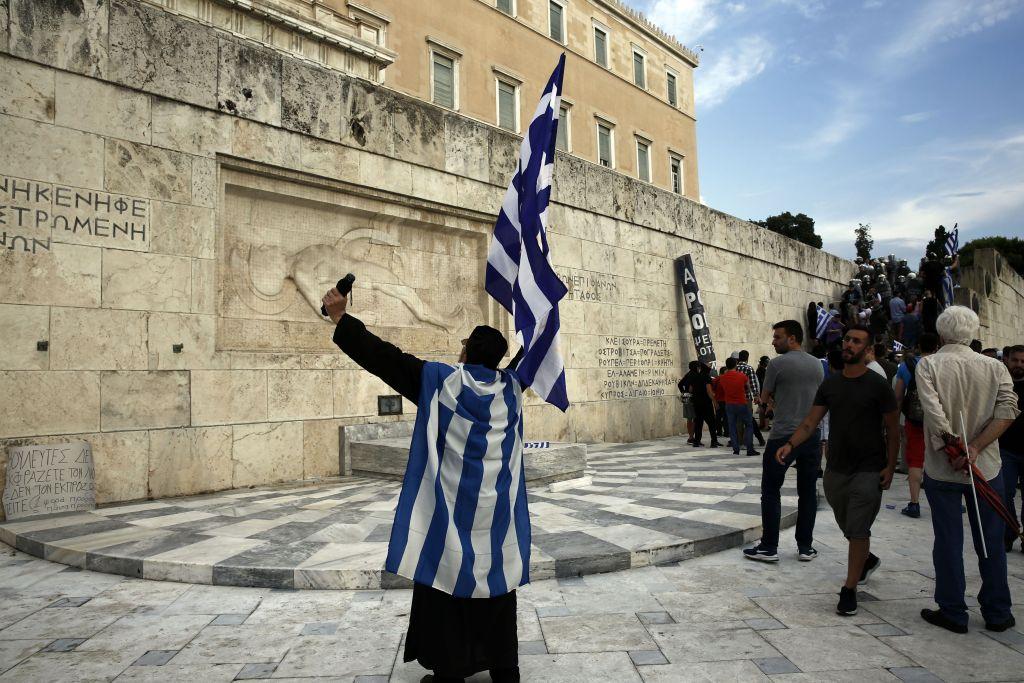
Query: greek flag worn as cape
(462, 524)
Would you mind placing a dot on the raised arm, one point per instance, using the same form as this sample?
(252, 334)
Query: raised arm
(399, 370)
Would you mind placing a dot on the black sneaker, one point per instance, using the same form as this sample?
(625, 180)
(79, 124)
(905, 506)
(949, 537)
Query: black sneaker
(870, 566)
(753, 452)
(999, 628)
(808, 554)
(761, 554)
(847, 606)
(937, 618)
(735, 452)
(715, 444)
(697, 444)
(912, 510)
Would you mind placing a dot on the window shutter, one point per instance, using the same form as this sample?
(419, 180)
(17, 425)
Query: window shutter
(604, 145)
(556, 21)
(644, 162)
(505, 6)
(562, 136)
(506, 106)
(672, 98)
(601, 47)
(638, 69)
(444, 81)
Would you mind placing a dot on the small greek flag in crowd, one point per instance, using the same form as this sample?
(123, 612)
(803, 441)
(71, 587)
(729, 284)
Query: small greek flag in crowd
(519, 272)
(952, 249)
(821, 329)
(953, 242)
(897, 347)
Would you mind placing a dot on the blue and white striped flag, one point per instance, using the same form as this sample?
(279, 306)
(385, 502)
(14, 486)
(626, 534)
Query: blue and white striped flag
(953, 242)
(519, 272)
(821, 329)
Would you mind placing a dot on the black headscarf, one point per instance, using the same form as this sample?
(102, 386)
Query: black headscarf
(486, 346)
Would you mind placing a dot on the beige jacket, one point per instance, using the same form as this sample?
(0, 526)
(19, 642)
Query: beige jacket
(957, 379)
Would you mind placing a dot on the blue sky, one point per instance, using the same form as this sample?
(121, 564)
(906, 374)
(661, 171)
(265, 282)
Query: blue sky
(900, 113)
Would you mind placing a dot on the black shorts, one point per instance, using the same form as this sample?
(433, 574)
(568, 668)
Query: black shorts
(855, 500)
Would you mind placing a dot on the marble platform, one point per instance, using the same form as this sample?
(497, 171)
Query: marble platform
(647, 503)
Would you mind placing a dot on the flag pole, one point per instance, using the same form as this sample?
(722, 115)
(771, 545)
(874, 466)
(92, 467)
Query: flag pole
(974, 491)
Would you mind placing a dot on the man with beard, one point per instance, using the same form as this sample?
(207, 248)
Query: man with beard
(862, 447)
(790, 382)
(1011, 443)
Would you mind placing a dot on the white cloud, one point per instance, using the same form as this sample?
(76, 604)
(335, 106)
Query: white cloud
(847, 118)
(687, 20)
(916, 117)
(726, 71)
(938, 21)
(983, 184)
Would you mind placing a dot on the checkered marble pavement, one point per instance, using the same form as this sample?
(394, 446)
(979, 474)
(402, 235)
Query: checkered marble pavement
(647, 503)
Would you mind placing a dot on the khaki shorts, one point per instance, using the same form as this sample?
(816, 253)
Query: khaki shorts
(855, 500)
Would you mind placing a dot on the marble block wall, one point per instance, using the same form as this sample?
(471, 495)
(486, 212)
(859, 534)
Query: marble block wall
(165, 246)
(996, 293)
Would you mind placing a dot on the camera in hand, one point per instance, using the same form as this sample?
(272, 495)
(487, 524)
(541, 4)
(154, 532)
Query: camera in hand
(344, 287)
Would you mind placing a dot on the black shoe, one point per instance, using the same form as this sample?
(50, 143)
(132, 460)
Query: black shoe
(808, 554)
(912, 510)
(696, 444)
(735, 452)
(761, 554)
(937, 618)
(753, 452)
(715, 444)
(999, 628)
(760, 442)
(847, 606)
(870, 566)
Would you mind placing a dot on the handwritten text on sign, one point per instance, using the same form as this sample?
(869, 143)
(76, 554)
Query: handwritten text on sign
(42, 480)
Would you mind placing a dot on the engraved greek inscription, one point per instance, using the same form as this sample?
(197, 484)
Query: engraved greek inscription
(635, 367)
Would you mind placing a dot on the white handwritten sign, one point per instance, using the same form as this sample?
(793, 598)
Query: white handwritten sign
(42, 480)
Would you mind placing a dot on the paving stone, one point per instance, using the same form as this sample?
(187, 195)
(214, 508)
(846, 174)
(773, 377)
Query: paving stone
(257, 670)
(834, 647)
(69, 602)
(915, 674)
(776, 665)
(321, 629)
(641, 657)
(532, 647)
(228, 619)
(743, 671)
(882, 630)
(155, 658)
(655, 618)
(595, 633)
(63, 645)
(764, 624)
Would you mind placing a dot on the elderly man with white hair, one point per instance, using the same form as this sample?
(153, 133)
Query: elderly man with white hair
(952, 381)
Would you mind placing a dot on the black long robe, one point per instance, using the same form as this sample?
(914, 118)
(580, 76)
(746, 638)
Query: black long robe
(453, 637)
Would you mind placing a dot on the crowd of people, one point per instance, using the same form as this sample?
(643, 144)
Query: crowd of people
(851, 410)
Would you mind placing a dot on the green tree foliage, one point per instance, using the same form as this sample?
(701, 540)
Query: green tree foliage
(938, 245)
(863, 241)
(1010, 248)
(799, 227)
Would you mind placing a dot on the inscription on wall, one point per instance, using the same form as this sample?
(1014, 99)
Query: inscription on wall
(44, 480)
(34, 214)
(585, 286)
(635, 367)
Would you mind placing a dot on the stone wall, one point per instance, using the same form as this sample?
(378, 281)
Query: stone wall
(996, 293)
(165, 249)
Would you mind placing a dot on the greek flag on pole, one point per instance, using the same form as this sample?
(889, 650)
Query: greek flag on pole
(952, 249)
(897, 347)
(821, 329)
(519, 272)
(462, 525)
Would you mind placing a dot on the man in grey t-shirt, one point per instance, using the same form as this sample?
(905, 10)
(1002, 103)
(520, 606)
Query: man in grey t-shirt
(791, 381)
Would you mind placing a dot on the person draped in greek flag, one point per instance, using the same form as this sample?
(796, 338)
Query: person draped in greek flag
(952, 263)
(462, 529)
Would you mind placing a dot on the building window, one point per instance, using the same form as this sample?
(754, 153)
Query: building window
(562, 136)
(556, 21)
(643, 160)
(605, 145)
(676, 170)
(508, 110)
(507, 7)
(601, 46)
(443, 79)
(639, 70)
(673, 97)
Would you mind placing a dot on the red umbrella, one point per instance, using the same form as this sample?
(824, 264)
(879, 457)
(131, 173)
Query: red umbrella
(957, 455)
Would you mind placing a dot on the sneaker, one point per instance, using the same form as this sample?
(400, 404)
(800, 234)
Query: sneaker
(999, 628)
(715, 444)
(912, 510)
(808, 554)
(753, 452)
(937, 618)
(761, 554)
(735, 452)
(697, 444)
(870, 566)
(847, 606)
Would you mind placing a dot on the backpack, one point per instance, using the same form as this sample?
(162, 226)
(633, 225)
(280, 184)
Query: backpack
(911, 407)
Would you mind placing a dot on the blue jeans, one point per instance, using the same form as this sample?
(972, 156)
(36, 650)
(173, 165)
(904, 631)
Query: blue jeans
(807, 459)
(945, 499)
(1012, 472)
(738, 413)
